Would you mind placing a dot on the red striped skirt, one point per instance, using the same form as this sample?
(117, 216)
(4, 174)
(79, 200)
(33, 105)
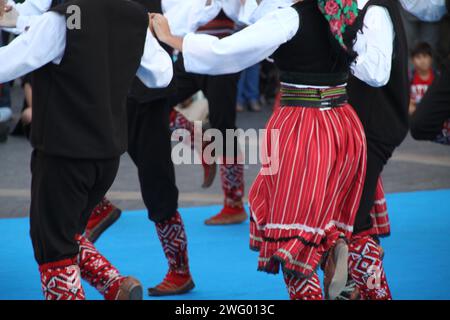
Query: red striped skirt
(298, 212)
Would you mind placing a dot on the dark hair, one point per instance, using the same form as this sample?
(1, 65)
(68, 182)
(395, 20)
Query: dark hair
(422, 48)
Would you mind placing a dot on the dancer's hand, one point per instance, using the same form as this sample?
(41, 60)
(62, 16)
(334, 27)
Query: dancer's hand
(162, 30)
(161, 27)
(2, 7)
(8, 15)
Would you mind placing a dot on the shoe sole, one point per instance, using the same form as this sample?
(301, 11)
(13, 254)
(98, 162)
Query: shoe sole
(211, 177)
(239, 219)
(153, 292)
(104, 225)
(130, 289)
(339, 280)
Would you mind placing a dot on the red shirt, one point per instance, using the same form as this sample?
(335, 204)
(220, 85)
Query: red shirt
(420, 86)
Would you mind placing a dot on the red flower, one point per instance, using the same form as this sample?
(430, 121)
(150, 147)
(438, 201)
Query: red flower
(347, 3)
(331, 8)
(351, 18)
(335, 26)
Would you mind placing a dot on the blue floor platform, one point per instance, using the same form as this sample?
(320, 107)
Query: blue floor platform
(417, 254)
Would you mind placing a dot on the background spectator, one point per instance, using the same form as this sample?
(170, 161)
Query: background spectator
(431, 119)
(419, 31)
(248, 89)
(423, 74)
(5, 105)
(23, 127)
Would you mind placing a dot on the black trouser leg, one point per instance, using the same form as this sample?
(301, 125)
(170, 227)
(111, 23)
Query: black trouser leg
(433, 111)
(63, 193)
(376, 160)
(150, 148)
(187, 84)
(221, 92)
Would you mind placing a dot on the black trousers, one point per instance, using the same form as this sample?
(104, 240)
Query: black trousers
(377, 156)
(434, 109)
(63, 194)
(221, 92)
(149, 146)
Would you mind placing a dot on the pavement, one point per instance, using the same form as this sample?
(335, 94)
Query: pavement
(416, 166)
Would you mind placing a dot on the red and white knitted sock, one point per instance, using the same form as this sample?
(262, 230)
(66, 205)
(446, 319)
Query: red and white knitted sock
(61, 281)
(174, 242)
(303, 288)
(366, 269)
(232, 176)
(178, 121)
(97, 270)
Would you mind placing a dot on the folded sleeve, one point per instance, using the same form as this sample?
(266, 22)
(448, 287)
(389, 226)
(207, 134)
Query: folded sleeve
(44, 42)
(156, 69)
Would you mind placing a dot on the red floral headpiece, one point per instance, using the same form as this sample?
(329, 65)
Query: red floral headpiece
(340, 15)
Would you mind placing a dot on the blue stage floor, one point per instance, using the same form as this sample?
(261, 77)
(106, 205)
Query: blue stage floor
(417, 254)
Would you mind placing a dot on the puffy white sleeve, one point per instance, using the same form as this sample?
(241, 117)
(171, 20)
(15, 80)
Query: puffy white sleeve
(28, 13)
(187, 16)
(156, 69)
(43, 43)
(374, 45)
(426, 10)
(253, 10)
(205, 54)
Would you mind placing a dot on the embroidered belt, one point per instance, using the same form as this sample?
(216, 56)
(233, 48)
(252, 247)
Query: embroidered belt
(325, 98)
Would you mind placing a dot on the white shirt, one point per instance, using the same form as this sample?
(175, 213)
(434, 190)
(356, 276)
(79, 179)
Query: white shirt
(184, 15)
(375, 46)
(187, 16)
(426, 10)
(207, 54)
(45, 42)
(28, 12)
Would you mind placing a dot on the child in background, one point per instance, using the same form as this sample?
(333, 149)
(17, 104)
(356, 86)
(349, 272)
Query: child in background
(423, 75)
(248, 90)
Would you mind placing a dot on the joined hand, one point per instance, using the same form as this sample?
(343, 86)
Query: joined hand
(8, 15)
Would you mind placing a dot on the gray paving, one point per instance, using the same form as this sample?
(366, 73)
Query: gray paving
(415, 166)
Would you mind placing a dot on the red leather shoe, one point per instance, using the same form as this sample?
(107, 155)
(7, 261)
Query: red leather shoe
(230, 214)
(104, 215)
(125, 288)
(173, 284)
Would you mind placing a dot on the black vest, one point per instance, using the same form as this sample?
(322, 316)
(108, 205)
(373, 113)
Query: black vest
(79, 106)
(139, 91)
(384, 111)
(312, 56)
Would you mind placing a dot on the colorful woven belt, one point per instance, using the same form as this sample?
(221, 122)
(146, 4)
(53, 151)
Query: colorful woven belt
(332, 97)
